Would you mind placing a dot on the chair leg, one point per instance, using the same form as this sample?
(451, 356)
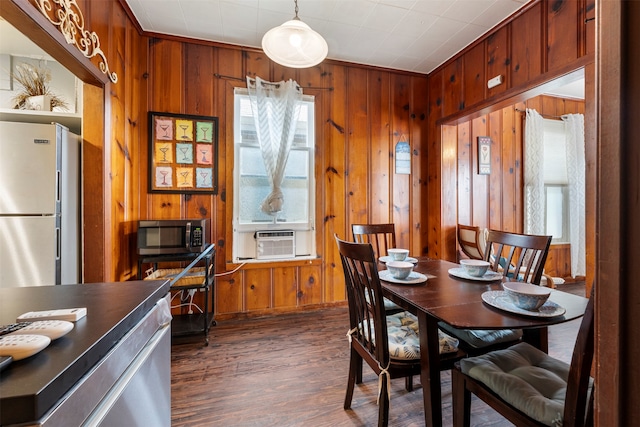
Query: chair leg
(359, 369)
(354, 368)
(408, 383)
(461, 399)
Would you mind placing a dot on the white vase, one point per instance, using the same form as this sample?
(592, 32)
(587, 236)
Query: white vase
(39, 102)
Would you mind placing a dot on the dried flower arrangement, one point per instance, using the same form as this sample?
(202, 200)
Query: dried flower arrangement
(35, 82)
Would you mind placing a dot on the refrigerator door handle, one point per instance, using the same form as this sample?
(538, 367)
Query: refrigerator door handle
(58, 185)
(58, 244)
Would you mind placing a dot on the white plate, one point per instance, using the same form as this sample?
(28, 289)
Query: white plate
(500, 299)
(489, 276)
(413, 278)
(386, 259)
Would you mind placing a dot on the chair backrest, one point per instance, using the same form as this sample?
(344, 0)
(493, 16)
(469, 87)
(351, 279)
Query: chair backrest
(469, 240)
(518, 256)
(578, 404)
(381, 236)
(364, 293)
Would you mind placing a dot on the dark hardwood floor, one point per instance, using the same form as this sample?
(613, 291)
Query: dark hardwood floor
(291, 370)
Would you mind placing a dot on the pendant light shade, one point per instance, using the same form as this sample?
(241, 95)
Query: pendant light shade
(294, 44)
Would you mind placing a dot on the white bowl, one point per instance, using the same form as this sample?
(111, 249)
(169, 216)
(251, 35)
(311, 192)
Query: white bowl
(525, 295)
(474, 267)
(400, 269)
(398, 254)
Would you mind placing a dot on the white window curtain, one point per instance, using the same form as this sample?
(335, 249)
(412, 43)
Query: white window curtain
(534, 214)
(275, 107)
(574, 129)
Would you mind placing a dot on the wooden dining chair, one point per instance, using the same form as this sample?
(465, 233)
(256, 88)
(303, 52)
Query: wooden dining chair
(381, 236)
(469, 239)
(370, 324)
(518, 256)
(529, 387)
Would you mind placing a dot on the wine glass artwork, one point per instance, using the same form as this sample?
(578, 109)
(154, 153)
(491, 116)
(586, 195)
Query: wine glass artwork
(185, 130)
(163, 177)
(204, 131)
(164, 130)
(203, 177)
(183, 153)
(204, 154)
(164, 154)
(186, 177)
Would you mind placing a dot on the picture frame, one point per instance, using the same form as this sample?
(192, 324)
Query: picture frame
(183, 153)
(484, 155)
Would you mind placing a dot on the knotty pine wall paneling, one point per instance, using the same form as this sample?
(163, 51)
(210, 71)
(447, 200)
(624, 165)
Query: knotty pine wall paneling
(499, 59)
(419, 162)
(474, 79)
(466, 169)
(229, 288)
(564, 31)
(380, 163)
(452, 93)
(526, 49)
(436, 186)
(334, 219)
(511, 153)
(357, 152)
(481, 188)
(401, 188)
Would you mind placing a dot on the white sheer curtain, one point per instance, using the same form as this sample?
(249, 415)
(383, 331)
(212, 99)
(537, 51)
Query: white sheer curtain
(534, 173)
(574, 131)
(276, 107)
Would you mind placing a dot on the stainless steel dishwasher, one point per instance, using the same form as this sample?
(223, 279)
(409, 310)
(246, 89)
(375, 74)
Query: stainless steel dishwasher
(131, 385)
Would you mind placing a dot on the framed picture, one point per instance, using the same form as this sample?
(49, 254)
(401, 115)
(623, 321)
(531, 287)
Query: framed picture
(183, 153)
(484, 155)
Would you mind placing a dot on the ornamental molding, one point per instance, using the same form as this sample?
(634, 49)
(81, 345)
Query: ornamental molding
(67, 16)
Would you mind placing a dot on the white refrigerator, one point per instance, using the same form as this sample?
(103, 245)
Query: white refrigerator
(39, 209)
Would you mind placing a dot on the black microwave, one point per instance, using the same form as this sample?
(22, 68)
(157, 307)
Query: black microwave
(172, 236)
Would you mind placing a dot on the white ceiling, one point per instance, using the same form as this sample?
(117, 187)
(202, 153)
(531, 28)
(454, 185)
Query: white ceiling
(412, 35)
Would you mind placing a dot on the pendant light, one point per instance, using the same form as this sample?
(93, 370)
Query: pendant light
(294, 44)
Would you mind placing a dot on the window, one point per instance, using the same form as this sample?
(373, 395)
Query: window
(555, 181)
(251, 184)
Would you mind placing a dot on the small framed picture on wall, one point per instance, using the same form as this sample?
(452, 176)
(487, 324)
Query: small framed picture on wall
(183, 153)
(484, 155)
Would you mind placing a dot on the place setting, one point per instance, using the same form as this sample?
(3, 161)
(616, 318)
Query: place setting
(475, 269)
(400, 268)
(397, 254)
(524, 298)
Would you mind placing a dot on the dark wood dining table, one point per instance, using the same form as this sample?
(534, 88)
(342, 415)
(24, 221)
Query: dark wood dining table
(458, 302)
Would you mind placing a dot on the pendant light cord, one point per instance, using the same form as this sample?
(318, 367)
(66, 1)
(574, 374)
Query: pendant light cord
(296, 10)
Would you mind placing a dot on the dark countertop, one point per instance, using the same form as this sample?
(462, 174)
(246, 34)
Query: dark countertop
(31, 386)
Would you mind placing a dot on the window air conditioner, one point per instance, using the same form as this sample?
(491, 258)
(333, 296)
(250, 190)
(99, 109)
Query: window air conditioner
(275, 244)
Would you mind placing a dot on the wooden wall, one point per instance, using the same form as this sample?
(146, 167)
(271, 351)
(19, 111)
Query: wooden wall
(361, 113)
(545, 41)
(496, 201)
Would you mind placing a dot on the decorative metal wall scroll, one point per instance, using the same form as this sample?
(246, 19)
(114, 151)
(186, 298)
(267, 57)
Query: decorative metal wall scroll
(183, 153)
(67, 16)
